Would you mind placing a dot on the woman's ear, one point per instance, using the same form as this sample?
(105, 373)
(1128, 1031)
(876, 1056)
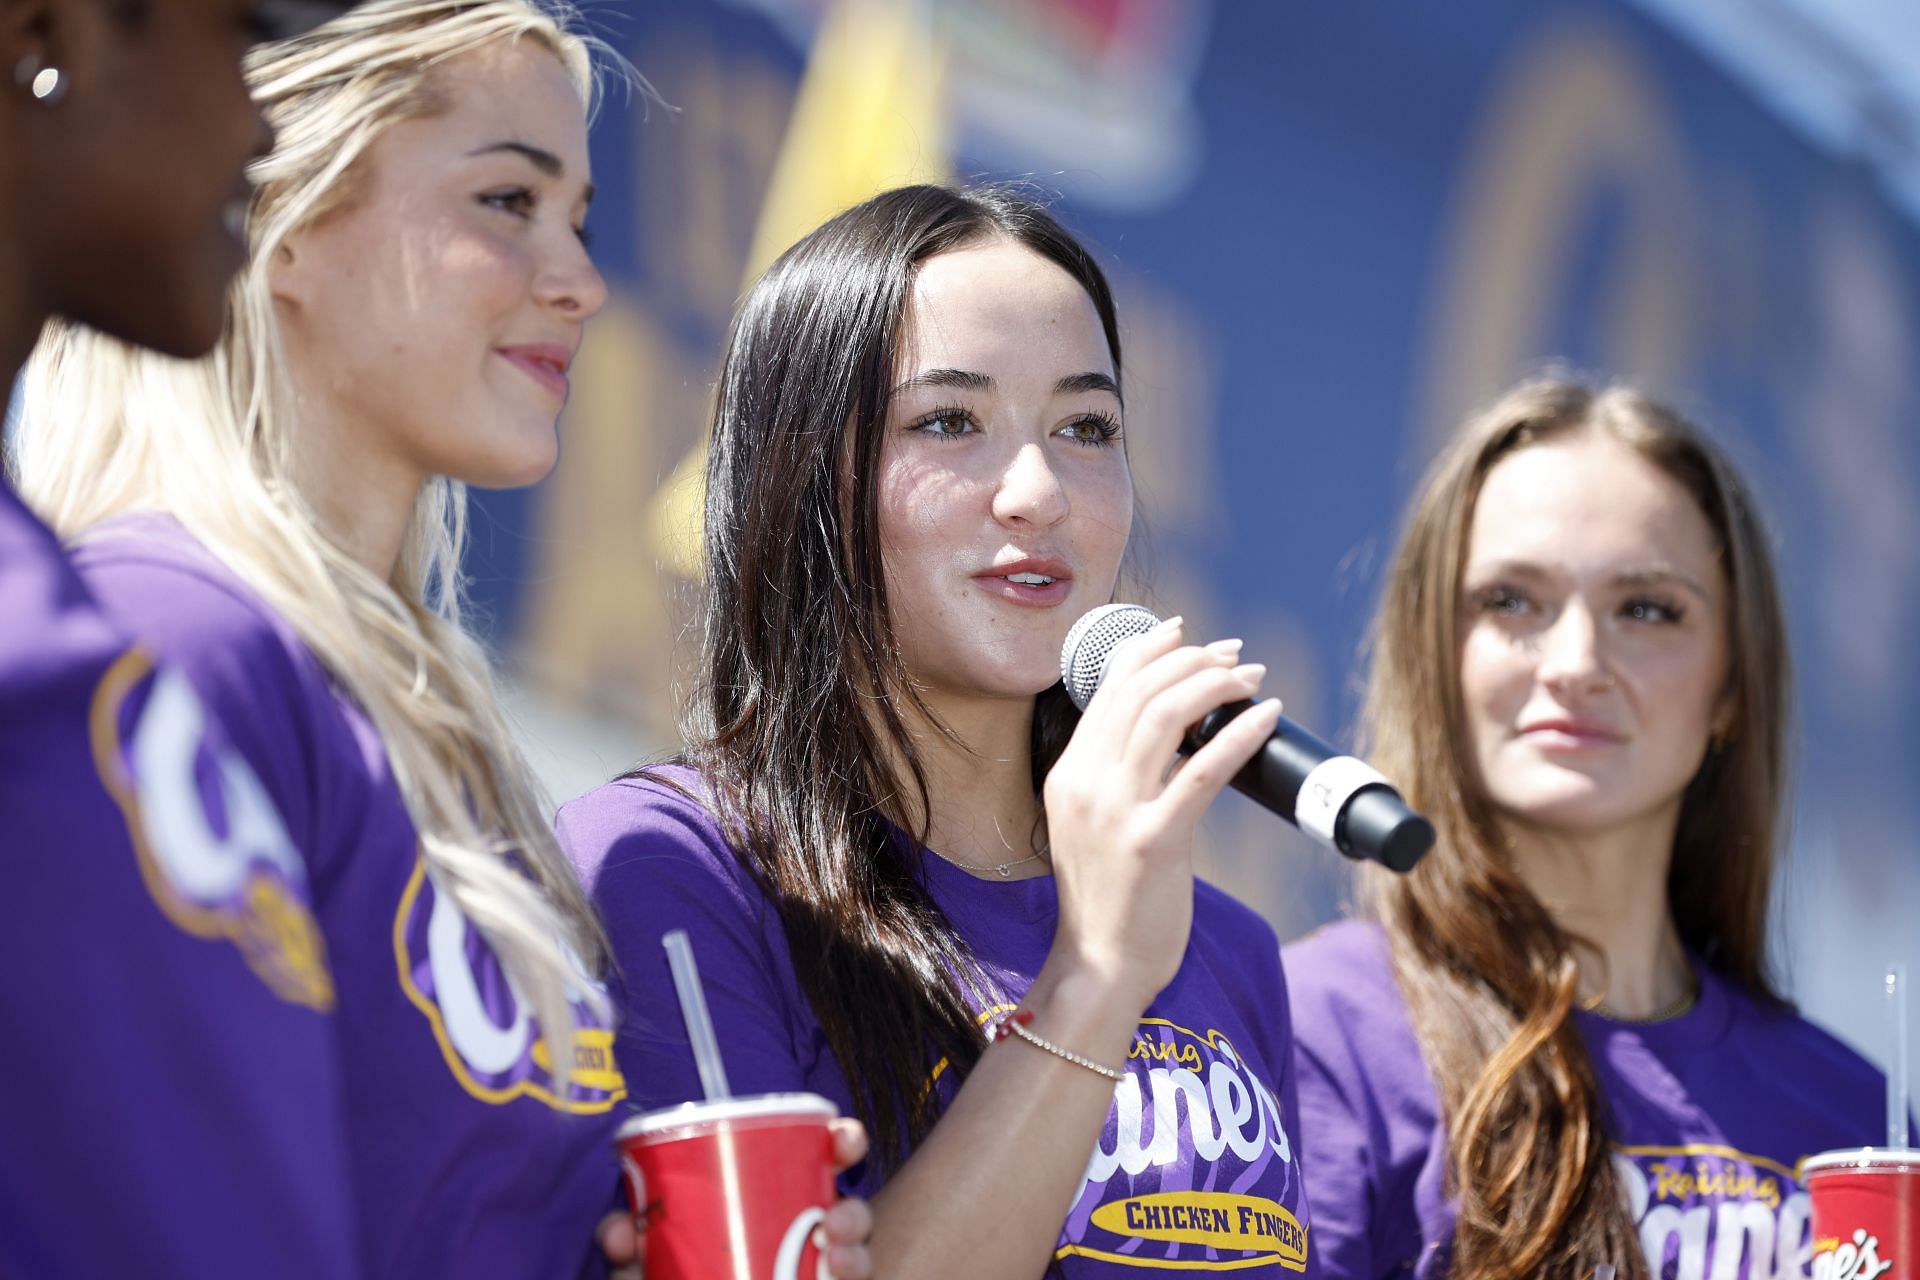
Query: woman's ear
(1721, 732)
(286, 274)
(44, 44)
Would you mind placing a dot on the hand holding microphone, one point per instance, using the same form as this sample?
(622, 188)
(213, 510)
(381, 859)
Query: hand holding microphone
(1340, 801)
(1121, 826)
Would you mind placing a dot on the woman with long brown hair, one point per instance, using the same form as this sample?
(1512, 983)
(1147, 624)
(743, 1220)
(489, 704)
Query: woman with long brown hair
(1556, 1044)
(889, 830)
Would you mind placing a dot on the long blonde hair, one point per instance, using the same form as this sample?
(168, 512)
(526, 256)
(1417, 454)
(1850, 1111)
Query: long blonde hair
(110, 429)
(1489, 976)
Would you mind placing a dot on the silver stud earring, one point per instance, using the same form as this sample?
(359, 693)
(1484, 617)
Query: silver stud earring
(47, 84)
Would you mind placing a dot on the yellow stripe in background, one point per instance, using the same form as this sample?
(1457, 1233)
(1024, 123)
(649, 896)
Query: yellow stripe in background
(871, 114)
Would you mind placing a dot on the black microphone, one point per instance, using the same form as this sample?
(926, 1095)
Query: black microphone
(1340, 801)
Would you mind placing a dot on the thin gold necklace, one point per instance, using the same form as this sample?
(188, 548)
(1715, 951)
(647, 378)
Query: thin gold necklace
(1005, 869)
(1594, 1004)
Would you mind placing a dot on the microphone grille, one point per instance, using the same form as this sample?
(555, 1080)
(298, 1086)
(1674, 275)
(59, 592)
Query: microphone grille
(1084, 653)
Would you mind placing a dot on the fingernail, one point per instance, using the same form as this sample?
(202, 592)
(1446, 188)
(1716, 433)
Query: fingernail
(1225, 648)
(1169, 625)
(1271, 702)
(1253, 671)
(820, 1239)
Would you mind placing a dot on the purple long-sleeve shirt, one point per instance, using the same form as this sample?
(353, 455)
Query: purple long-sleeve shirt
(1195, 1168)
(464, 1154)
(1709, 1115)
(168, 1100)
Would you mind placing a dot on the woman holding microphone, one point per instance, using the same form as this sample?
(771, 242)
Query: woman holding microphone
(282, 521)
(915, 885)
(1556, 1044)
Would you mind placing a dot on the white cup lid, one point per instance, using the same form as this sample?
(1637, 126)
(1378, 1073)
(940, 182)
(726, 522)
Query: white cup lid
(1864, 1159)
(799, 1105)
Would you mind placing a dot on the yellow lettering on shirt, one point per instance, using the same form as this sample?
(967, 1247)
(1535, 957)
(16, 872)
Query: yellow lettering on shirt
(593, 1064)
(1221, 1220)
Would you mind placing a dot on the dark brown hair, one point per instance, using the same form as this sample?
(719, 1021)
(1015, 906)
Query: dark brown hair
(1489, 977)
(796, 721)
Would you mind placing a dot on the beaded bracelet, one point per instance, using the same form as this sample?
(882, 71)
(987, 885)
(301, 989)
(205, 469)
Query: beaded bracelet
(1015, 1024)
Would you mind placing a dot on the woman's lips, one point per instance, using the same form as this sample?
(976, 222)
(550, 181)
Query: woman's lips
(1570, 735)
(546, 365)
(1033, 582)
(1038, 596)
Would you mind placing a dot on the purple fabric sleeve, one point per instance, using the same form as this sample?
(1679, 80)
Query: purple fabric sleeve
(1336, 1136)
(167, 1089)
(467, 1153)
(1367, 1113)
(144, 574)
(660, 865)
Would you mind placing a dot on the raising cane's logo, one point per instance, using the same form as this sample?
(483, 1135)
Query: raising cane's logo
(483, 1021)
(1859, 1259)
(1195, 1170)
(212, 848)
(1706, 1212)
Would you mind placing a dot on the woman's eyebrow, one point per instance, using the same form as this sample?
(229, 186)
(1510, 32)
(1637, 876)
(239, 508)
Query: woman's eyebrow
(1507, 568)
(1076, 383)
(542, 159)
(956, 379)
(1659, 575)
(969, 380)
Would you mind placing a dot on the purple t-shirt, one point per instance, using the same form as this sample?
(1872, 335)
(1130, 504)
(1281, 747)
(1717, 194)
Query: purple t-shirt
(468, 1157)
(167, 1097)
(1195, 1169)
(1710, 1115)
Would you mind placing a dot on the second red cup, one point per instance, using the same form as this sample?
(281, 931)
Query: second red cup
(1866, 1214)
(731, 1190)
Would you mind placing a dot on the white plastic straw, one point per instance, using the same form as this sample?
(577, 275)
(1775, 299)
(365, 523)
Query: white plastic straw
(1897, 1067)
(693, 1008)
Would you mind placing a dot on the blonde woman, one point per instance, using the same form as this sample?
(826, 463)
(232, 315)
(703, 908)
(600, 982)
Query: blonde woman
(284, 522)
(1557, 1044)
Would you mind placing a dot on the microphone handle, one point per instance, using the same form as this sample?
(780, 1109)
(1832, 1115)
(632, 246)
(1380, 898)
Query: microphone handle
(1273, 776)
(1356, 811)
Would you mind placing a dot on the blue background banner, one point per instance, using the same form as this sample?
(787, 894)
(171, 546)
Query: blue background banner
(1333, 229)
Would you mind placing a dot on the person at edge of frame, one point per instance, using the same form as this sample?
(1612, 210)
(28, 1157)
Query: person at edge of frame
(1556, 1045)
(281, 522)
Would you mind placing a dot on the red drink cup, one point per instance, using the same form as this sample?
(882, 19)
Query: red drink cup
(731, 1190)
(1866, 1214)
